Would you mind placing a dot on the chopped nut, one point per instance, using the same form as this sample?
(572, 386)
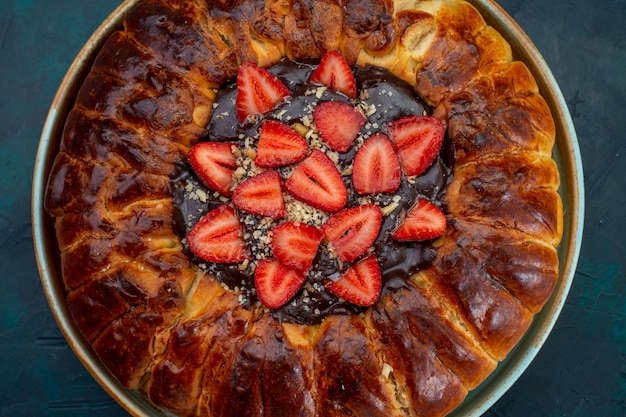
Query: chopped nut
(202, 196)
(239, 173)
(300, 129)
(250, 152)
(333, 157)
(389, 209)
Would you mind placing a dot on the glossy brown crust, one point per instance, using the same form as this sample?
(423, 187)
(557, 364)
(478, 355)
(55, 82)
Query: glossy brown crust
(494, 278)
(161, 325)
(182, 36)
(348, 373)
(499, 113)
(194, 350)
(269, 375)
(434, 363)
(516, 191)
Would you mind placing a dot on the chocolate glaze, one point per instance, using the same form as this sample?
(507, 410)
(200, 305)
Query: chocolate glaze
(393, 99)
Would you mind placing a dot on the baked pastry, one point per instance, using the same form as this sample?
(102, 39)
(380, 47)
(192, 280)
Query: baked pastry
(166, 323)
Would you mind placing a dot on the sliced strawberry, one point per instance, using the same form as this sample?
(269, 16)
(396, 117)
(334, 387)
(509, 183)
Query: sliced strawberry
(360, 284)
(418, 140)
(338, 124)
(279, 145)
(258, 91)
(218, 237)
(214, 163)
(352, 231)
(317, 182)
(276, 283)
(295, 244)
(423, 221)
(261, 194)
(334, 72)
(376, 167)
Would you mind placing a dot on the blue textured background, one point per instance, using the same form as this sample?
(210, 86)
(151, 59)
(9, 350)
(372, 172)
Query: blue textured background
(581, 371)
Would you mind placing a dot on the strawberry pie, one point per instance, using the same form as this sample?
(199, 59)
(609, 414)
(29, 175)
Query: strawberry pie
(305, 207)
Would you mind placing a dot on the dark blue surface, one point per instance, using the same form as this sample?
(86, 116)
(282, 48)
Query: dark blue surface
(581, 371)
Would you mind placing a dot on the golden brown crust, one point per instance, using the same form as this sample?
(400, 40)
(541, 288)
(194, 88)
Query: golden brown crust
(433, 362)
(120, 312)
(161, 325)
(493, 278)
(412, 316)
(516, 191)
(307, 35)
(348, 374)
(500, 113)
(268, 374)
(191, 350)
(184, 37)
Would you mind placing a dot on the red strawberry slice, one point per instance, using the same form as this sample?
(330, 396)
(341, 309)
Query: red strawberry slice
(352, 231)
(334, 72)
(218, 237)
(317, 182)
(279, 145)
(338, 124)
(258, 91)
(376, 167)
(423, 221)
(276, 283)
(359, 284)
(261, 194)
(418, 140)
(214, 163)
(295, 244)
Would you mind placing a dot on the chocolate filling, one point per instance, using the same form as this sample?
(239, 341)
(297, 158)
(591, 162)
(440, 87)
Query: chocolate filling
(393, 99)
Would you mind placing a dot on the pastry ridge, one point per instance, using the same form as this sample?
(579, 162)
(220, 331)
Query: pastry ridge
(163, 326)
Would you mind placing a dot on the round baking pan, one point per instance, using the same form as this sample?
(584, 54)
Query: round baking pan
(566, 154)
